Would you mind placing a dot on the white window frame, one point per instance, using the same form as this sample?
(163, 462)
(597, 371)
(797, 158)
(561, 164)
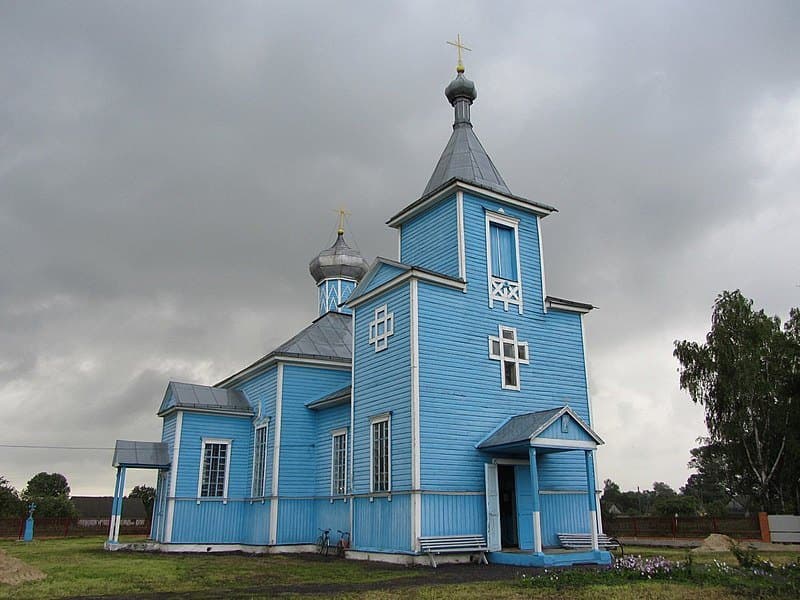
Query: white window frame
(502, 358)
(387, 418)
(381, 315)
(334, 434)
(504, 291)
(206, 442)
(262, 492)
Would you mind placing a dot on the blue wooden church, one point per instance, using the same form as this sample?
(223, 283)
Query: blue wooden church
(439, 395)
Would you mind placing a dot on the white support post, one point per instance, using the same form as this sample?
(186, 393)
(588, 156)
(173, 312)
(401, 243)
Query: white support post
(537, 521)
(592, 501)
(116, 506)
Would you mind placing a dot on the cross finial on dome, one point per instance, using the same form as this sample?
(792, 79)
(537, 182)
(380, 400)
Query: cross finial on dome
(460, 47)
(342, 214)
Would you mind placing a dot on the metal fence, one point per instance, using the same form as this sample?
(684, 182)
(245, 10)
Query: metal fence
(683, 527)
(62, 527)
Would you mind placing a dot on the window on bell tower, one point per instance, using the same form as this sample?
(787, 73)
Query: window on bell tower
(502, 261)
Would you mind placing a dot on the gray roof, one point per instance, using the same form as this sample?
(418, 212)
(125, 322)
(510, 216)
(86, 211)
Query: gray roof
(340, 396)
(330, 337)
(191, 395)
(141, 454)
(465, 159)
(522, 428)
(519, 428)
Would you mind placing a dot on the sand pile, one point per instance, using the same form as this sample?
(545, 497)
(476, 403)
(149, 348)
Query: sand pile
(716, 542)
(13, 571)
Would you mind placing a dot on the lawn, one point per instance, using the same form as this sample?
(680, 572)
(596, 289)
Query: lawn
(81, 568)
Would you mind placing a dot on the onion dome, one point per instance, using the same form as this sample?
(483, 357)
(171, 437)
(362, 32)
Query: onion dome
(337, 262)
(461, 87)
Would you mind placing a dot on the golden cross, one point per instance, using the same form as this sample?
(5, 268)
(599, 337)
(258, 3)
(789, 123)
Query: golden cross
(460, 46)
(342, 214)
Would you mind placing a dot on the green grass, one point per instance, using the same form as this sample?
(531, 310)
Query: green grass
(80, 567)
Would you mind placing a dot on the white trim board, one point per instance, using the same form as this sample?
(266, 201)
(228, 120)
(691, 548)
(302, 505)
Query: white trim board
(411, 211)
(411, 273)
(462, 252)
(416, 503)
(556, 443)
(276, 458)
(173, 483)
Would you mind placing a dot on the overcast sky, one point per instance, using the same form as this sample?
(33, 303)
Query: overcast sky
(168, 169)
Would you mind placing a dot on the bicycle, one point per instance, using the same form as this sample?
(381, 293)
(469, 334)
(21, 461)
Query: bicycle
(324, 542)
(343, 544)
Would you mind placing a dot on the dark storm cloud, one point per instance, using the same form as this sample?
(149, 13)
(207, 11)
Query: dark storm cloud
(168, 169)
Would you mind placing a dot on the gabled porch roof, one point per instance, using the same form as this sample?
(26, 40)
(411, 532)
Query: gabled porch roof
(554, 429)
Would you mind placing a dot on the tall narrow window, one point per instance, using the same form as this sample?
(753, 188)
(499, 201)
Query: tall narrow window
(380, 458)
(339, 462)
(259, 460)
(511, 353)
(504, 251)
(502, 261)
(214, 469)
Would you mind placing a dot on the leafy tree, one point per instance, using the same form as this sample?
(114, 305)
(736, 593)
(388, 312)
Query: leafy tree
(147, 495)
(714, 483)
(662, 490)
(50, 492)
(746, 377)
(47, 484)
(685, 506)
(10, 504)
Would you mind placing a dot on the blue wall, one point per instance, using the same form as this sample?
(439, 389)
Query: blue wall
(329, 420)
(299, 428)
(260, 392)
(430, 239)
(453, 514)
(383, 524)
(197, 426)
(383, 384)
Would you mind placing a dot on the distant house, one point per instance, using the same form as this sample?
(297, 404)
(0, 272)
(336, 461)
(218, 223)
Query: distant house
(95, 511)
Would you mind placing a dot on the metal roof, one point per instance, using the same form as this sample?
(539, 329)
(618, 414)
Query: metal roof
(340, 396)
(465, 159)
(143, 455)
(329, 337)
(340, 260)
(522, 428)
(191, 395)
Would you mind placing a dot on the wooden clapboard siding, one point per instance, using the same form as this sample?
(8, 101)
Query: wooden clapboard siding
(430, 239)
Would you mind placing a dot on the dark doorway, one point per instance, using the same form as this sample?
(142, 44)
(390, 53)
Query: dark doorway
(508, 506)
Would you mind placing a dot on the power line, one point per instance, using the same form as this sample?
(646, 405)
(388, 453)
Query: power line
(55, 447)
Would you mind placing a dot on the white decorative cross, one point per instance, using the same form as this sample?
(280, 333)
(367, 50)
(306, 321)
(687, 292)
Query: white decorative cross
(511, 353)
(381, 327)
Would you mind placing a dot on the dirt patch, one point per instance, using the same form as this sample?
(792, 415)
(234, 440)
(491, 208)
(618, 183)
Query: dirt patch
(716, 542)
(13, 571)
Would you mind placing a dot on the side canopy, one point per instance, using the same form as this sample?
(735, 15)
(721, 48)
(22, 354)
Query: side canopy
(555, 429)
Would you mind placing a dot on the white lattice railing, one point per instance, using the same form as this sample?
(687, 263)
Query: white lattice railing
(506, 291)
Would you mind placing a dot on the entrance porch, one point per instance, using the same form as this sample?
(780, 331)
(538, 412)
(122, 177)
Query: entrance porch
(524, 518)
(135, 455)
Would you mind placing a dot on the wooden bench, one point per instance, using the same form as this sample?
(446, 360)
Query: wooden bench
(583, 541)
(454, 544)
